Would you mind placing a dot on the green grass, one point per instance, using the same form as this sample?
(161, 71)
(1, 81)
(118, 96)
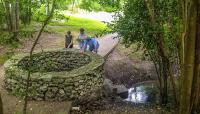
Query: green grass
(74, 24)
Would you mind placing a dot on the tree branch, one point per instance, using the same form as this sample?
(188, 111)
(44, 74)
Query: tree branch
(31, 53)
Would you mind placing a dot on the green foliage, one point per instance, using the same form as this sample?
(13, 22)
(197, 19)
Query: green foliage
(134, 23)
(5, 57)
(5, 38)
(39, 15)
(152, 24)
(101, 5)
(54, 61)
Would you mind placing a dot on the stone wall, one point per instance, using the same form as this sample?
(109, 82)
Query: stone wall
(55, 86)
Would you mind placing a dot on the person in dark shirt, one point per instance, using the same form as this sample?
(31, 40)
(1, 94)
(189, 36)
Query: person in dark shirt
(68, 40)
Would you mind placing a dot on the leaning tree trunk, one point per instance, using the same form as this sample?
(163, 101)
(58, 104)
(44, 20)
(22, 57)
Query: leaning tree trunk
(190, 80)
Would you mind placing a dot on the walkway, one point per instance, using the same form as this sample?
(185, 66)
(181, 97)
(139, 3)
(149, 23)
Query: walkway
(107, 43)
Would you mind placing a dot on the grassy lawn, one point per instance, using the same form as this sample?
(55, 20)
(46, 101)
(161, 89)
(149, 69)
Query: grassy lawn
(73, 24)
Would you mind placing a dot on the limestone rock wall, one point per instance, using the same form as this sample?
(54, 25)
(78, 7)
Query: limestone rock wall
(55, 86)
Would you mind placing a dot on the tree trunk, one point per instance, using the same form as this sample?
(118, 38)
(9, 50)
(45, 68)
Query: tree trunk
(17, 14)
(164, 66)
(196, 79)
(1, 105)
(191, 59)
(26, 13)
(8, 16)
(14, 20)
(13, 17)
(47, 7)
(29, 12)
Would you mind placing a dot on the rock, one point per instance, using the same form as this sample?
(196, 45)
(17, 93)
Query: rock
(24, 77)
(53, 89)
(110, 88)
(46, 78)
(58, 80)
(49, 95)
(81, 81)
(61, 92)
(43, 88)
(76, 83)
(11, 81)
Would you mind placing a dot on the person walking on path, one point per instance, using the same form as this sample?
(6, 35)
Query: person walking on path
(68, 40)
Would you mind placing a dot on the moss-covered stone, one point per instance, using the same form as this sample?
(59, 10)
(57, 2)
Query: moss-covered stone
(54, 61)
(51, 84)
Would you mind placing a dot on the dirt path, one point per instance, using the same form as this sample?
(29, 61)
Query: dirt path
(56, 41)
(47, 41)
(107, 43)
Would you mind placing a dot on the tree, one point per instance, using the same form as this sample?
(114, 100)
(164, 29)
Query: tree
(12, 15)
(147, 22)
(1, 105)
(101, 5)
(190, 79)
(31, 54)
(26, 7)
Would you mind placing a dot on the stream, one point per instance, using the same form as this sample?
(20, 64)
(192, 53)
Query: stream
(143, 93)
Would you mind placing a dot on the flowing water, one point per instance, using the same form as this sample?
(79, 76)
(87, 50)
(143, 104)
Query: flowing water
(143, 93)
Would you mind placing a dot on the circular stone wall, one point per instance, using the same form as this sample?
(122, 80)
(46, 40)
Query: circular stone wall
(56, 75)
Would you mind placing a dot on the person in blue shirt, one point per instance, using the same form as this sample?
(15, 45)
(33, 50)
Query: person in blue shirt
(93, 44)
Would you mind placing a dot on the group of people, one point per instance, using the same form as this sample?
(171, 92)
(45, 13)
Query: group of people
(85, 42)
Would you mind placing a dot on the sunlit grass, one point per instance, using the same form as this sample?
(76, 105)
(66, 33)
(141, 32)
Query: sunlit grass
(74, 24)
